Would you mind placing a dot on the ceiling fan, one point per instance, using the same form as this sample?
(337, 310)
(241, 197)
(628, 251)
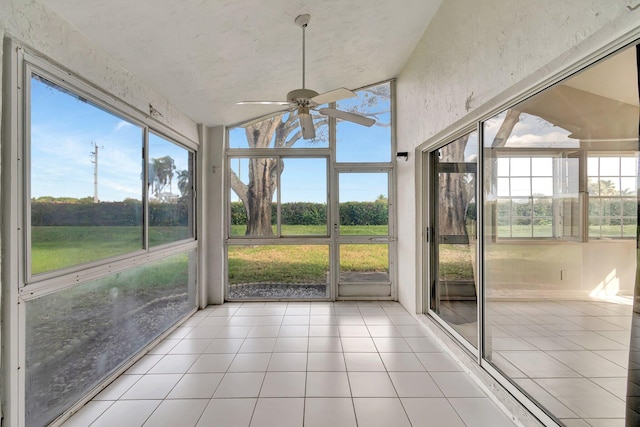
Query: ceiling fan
(303, 100)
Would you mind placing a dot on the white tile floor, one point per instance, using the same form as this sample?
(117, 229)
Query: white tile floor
(295, 364)
(570, 355)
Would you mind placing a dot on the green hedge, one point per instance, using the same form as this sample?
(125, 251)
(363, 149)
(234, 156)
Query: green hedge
(304, 213)
(124, 213)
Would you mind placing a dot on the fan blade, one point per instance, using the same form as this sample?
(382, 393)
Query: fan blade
(306, 123)
(262, 103)
(345, 115)
(333, 96)
(265, 117)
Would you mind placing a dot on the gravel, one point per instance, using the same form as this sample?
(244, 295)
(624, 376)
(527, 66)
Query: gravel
(277, 290)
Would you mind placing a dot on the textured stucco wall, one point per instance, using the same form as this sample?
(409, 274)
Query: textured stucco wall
(39, 28)
(476, 55)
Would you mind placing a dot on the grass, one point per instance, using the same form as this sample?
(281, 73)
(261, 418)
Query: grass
(319, 230)
(281, 264)
(53, 248)
(595, 231)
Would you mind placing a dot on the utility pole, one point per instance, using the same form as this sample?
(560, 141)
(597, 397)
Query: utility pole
(94, 154)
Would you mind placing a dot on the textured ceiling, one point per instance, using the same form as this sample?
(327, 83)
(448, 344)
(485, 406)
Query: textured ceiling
(206, 55)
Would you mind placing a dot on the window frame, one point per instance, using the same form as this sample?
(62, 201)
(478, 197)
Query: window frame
(557, 155)
(610, 154)
(32, 285)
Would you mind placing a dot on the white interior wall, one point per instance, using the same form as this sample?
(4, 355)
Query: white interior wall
(34, 26)
(39, 28)
(473, 58)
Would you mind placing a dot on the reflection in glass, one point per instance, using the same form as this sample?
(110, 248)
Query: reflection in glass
(278, 271)
(364, 199)
(557, 310)
(612, 195)
(359, 144)
(454, 287)
(76, 337)
(170, 191)
(86, 180)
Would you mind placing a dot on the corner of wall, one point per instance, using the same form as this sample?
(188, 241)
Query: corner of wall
(212, 194)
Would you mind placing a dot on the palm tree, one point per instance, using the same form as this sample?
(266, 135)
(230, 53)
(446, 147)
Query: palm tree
(161, 173)
(183, 182)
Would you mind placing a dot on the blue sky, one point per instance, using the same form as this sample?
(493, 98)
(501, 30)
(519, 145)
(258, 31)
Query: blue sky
(305, 180)
(64, 130)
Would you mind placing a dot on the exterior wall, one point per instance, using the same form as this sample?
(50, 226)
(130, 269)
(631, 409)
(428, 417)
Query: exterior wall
(472, 59)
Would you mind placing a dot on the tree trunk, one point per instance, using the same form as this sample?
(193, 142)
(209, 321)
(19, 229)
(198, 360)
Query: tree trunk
(455, 193)
(262, 184)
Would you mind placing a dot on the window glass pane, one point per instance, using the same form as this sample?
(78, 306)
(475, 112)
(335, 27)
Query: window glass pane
(364, 203)
(628, 166)
(254, 182)
(304, 196)
(504, 187)
(86, 180)
(603, 189)
(520, 187)
(628, 186)
(503, 166)
(364, 263)
(550, 305)
(542, 166)
(609, 166)
(263, 135)
(520, 166)
(542, 186)
(593, 166)
(278, 271)
(357, 143)
(75, 338)
(453, 293)
(170, 198)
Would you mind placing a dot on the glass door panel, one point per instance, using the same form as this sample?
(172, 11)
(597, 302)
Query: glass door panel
(363, 235)
(278, 271)
(454, 290)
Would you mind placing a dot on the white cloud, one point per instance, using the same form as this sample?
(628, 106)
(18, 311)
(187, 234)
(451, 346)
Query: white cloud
(121, 124)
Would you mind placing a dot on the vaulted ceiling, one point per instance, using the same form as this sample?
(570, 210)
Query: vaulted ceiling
(206, 55)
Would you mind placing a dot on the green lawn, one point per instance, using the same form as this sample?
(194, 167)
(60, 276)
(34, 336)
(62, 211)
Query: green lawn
(319, 230)
(301, 263)
(57, 247)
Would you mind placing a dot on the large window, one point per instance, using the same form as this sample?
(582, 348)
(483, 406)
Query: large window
(612, 181)
(86, 180)
(78, 336)
(306, 214)
(99, 192)
(525, 196)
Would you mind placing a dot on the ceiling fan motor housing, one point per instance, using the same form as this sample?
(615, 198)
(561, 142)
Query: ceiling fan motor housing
(301, 97)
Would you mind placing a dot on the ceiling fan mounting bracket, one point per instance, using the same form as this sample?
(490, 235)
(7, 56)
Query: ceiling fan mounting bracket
(302, 97)
(303, 20)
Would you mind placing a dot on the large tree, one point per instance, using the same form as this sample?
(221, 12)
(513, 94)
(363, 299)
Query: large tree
(283, 131)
